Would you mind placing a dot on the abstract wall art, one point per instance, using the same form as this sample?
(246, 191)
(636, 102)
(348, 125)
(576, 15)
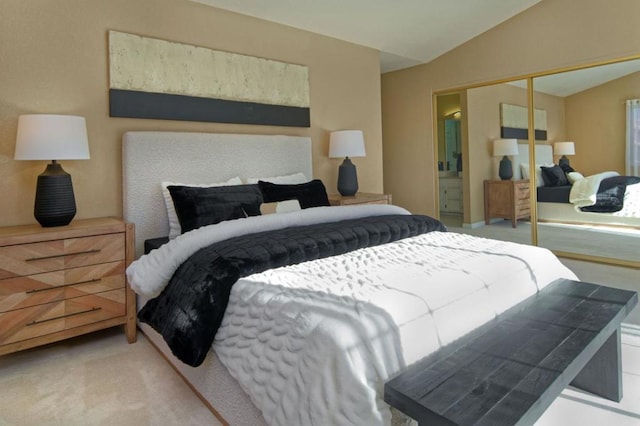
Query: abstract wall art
(158, 79)
(514, 122)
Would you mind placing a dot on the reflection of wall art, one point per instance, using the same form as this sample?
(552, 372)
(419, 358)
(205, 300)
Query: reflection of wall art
(151, 78)
(514, 122)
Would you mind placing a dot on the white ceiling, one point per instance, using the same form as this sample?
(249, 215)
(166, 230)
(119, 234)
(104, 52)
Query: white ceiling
(407, 32)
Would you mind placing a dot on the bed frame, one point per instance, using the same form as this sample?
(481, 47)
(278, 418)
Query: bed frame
(565, 212)
(152, 157)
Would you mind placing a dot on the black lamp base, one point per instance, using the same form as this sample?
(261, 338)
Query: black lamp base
(55, 203)
(506, 169)
(347, 178)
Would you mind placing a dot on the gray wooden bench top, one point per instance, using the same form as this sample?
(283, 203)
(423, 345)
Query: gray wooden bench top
(510, 370)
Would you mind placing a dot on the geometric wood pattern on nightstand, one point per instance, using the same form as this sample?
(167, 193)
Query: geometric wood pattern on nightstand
(60, 282)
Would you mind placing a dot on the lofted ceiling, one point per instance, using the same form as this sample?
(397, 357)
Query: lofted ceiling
(406, 32)
(572, 82)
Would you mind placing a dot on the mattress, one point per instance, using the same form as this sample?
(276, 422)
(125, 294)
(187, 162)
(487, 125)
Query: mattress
(314, 343)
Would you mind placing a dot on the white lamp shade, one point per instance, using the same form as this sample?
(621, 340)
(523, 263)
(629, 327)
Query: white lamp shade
(505, 147)
(51, 137)
(564, 148)
(346, 143)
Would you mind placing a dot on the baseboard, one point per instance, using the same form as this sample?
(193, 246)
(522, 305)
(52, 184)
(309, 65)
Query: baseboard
(476, 225)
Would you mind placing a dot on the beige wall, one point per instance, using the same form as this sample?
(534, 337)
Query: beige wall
(53, 59)
(550, 35)
(596, 123)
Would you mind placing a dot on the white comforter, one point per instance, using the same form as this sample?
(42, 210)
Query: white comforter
(312, 344)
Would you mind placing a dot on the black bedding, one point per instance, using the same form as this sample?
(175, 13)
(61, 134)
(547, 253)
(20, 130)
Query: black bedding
(190, 309)
(610, 196)
(553, 194)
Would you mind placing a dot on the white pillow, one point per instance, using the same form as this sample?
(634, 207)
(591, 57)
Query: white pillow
(281, 180)
(174, 223)
(524, 169)
(280, 207)
(573, 177)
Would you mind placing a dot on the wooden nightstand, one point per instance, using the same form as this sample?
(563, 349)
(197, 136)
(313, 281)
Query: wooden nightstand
(61, 282)
(508, 199)
(359, 198)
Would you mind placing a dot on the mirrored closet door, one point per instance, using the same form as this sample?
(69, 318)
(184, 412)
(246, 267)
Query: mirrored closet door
(578, 146)
(587, 206)
(487, 117)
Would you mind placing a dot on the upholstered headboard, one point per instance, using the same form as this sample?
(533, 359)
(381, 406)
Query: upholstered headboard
(544, 155)
(149, 158)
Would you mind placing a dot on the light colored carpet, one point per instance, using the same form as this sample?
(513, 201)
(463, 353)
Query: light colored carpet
(99, 379)
(96, 379)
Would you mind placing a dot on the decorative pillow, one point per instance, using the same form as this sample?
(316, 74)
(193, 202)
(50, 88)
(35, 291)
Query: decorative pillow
(198, 207)
(566, 168)
(554, 176)
(573, 177)
(280, 207)
(310, 194)
(282, 180)
(524, 169)
(174, 223)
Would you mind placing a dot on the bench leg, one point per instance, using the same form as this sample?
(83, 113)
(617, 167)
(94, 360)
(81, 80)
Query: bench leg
(602, 375)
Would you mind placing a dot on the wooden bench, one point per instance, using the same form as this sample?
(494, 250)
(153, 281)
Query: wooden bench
(510, 370)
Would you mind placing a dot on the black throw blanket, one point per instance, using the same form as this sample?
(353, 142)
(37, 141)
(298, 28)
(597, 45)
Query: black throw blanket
(610, 195)
(189, 310)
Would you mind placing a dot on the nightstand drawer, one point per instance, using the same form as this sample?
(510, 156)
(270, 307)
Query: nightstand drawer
(53, 317)
(35, 258)
(37, 289)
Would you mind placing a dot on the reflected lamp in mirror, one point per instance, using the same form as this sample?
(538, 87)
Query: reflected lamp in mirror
(504, 148)
(564, 149)
(347, 143)
(52, 137)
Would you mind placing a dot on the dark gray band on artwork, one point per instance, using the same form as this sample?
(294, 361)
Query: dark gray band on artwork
(162, 106)
(523, 134)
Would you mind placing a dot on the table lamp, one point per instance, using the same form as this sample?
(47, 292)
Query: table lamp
(347, 143)
(52, 137)
(505, 147)
(564, 149)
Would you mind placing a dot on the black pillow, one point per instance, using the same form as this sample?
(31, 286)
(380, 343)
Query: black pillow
(196, 207)
(554, 176)
(310, 194)
(566, 168)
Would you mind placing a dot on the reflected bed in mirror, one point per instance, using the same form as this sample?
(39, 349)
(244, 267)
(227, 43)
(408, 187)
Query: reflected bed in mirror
(567, 202)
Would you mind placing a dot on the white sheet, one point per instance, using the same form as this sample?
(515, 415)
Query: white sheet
(312, 344)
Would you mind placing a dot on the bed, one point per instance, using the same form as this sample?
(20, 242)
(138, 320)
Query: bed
(313, 343)
(554, 204)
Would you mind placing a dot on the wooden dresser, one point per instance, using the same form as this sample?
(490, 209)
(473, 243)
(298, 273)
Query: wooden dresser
(359, 198)
(508, 199)
(61, 282)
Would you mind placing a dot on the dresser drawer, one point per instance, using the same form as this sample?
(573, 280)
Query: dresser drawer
(53, 317)
(35, 258)
(37, 289)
